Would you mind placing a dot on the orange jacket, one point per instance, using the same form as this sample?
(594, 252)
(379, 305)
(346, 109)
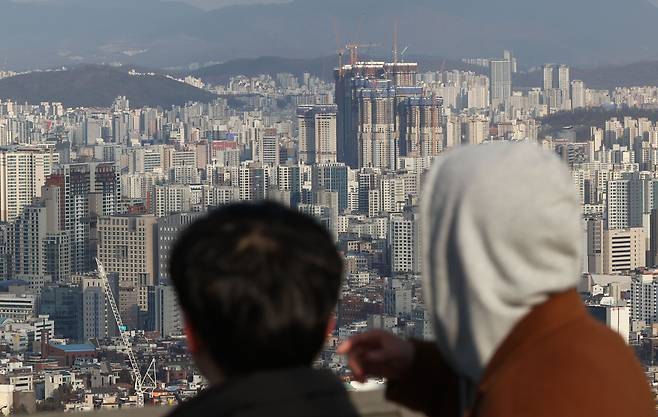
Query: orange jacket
(557, 362)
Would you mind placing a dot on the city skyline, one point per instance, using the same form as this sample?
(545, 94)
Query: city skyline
(96, 190)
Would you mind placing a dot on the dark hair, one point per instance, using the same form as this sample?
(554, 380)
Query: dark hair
(258, 283)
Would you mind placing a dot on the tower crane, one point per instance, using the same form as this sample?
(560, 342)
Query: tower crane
(142, 383)
(354, 48)
(339, 50)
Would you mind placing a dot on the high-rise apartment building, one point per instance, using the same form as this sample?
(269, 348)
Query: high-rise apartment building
(501, 82)
(332, 177)
(453, 131)
(253, 182)
(6, 247)
(267, 147)
(171, 198)
(317, 134)
(143, 160)
(548, 78)
(367, 182)
(168, 230)
(86, 191)
(63, 303)
(289, 180)
(476, 130)
(367, 96)
(644, 298)
(625, 204)
(168, 314)
(652, 255)
(392, 193)
(97, 322)
(421, 127)
(623, 250)
(127, 245)
(22, 174)
(30, 231)
(377, 125)
(509, 56)
(404, 243)
(40, 247)
(564, 81)
(577, 94)
(595, 227)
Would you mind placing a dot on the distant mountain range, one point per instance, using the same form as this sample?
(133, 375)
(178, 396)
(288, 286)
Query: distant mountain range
(604, 77)
(587, 33)
(98, 86)
(320, 67)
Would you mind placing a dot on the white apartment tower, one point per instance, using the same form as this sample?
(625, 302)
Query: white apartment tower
(404, 243)
(501, 82)
(22, 174)
(625, 203)
(548, 77)
(577, 94)
(564, 82)
(644, 298)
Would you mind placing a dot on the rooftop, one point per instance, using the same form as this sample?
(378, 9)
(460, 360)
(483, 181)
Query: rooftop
(84, 347)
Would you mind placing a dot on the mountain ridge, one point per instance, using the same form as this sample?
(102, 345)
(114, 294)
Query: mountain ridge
(93, 85)
(98, 86)
(605, 77)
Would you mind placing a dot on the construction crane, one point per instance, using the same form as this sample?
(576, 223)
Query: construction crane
(404, 51)
(339, 50)
(354, 48)
(142, 383)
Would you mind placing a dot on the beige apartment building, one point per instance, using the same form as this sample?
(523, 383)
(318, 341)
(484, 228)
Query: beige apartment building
(623, 250)
(127, 246)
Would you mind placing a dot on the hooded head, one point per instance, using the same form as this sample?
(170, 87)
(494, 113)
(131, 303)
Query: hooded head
(502, 233)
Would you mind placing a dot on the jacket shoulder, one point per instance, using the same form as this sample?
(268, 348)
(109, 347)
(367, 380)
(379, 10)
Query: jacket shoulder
(584, 369)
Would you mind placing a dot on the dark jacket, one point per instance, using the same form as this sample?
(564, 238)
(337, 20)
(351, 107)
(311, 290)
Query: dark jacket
(558, 361)
(290, 393)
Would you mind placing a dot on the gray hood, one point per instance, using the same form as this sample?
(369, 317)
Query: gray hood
(502, 233)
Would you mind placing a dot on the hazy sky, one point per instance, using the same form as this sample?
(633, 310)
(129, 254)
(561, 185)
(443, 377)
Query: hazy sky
(205, 4)
(214, 4)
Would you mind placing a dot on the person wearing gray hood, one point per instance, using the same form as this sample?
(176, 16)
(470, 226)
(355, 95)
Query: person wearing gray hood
(501, 261)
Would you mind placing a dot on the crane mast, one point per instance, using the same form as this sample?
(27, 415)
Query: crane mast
(125, 337)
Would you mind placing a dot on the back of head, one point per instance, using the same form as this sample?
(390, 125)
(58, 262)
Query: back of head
(503, 233)
(258, 284)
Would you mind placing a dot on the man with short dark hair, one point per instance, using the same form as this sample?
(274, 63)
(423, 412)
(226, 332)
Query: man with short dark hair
(258, 284)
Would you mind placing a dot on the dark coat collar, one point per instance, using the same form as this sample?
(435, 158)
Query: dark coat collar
(270, 391)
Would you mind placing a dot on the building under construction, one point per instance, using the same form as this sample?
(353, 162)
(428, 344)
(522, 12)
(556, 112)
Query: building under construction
(383, 114)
